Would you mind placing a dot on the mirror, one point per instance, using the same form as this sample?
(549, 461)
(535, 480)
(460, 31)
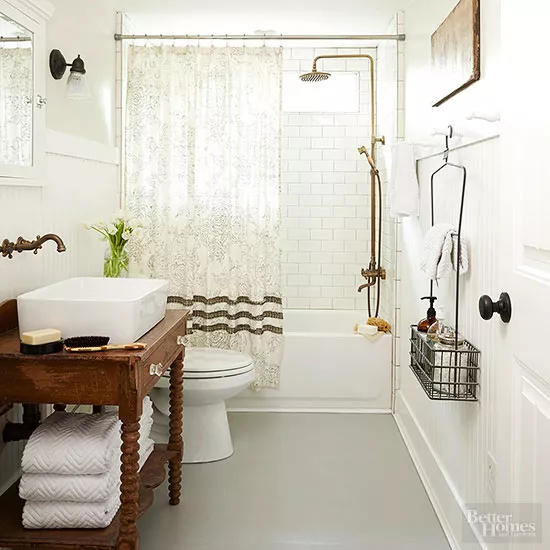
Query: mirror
(16, 93)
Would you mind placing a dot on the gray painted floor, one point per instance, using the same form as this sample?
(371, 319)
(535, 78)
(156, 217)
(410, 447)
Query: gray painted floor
(297, 482)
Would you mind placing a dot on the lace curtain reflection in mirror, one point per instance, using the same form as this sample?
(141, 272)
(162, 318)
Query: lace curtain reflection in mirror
(16, 93)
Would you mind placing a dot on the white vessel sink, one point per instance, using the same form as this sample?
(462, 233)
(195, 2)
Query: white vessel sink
(123, 309)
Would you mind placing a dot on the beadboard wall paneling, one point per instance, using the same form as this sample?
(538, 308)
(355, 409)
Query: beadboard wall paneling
(77, 190)
(457, 436)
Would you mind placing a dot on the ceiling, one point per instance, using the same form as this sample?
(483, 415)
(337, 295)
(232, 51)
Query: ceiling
(248, 16)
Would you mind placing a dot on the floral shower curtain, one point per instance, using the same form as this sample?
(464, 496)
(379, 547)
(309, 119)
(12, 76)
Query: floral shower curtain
(16, 104)
(203, 166)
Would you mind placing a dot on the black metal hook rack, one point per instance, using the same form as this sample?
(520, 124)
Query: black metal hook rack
(449, 373)
(446, 164)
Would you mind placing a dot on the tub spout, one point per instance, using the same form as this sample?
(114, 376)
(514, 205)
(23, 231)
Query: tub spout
(366, 285)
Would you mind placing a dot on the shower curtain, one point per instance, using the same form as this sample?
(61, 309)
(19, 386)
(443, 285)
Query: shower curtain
(203, 166)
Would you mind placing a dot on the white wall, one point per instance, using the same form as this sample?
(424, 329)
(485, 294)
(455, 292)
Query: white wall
(450, 442)
(85, 28)
(422, 19)
(81, 174)
(247, 16)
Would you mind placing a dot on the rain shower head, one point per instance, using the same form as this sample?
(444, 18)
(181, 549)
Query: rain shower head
(314, 76)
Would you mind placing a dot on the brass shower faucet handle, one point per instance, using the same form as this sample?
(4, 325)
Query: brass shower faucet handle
(374, 273)
(372, 276)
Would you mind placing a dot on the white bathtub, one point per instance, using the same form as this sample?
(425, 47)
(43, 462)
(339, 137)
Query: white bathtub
(326, 367)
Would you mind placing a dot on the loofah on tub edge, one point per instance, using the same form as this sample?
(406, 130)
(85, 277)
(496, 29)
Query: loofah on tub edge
(383, 326)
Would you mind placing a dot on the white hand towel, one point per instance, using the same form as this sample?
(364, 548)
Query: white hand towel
(73, 443)
(440, 255)
(404, 193)
(77, 488)
(71, 515)
(449, 256)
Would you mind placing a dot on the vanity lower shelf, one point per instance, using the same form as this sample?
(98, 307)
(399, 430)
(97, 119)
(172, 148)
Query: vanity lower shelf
(14, 535)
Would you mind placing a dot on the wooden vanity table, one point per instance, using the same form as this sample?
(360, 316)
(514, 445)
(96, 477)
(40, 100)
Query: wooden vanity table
(120, 378)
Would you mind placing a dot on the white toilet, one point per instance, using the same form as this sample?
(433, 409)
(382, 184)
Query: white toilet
(210, 377)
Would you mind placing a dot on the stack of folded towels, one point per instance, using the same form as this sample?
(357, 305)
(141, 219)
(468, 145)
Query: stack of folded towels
(71, 469)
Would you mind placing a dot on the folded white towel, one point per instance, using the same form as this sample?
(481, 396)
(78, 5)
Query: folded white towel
(71, 515)
(404, 192)
(77, 488)
(440, 255)
(73, 443)
(77, 443)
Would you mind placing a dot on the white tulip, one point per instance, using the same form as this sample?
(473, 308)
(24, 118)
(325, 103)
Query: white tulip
(112, 229)
(126, 235)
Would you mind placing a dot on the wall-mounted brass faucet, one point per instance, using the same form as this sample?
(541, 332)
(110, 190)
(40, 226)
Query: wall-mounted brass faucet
(7, 248)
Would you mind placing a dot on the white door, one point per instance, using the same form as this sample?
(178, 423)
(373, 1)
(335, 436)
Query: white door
(523, 448)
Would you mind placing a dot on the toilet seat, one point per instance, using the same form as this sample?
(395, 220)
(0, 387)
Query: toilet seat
(203, 363)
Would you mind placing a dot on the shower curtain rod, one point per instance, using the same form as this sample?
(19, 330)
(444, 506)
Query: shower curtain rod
(398, 37)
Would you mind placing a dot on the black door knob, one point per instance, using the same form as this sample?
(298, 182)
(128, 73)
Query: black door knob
(503, 307)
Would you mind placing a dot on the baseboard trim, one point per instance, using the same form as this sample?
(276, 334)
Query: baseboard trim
(437, 483)
(315, 410)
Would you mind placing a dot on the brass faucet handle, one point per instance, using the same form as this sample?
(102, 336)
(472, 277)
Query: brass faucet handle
(7, 249)
(375, 273)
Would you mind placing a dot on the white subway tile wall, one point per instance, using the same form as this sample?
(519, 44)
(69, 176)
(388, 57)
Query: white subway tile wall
(326, 195)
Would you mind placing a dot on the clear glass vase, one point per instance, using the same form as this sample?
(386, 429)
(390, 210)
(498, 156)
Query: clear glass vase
(116, 262)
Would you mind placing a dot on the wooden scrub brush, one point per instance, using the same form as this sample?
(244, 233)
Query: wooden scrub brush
(82, 344)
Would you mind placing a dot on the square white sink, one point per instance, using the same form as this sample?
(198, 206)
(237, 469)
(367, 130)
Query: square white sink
(123, 309)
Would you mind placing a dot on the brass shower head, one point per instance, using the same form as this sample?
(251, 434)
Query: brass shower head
(314, 76)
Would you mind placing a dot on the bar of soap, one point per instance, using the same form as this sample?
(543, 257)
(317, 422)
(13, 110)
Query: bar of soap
(42, 336)
(368, 330)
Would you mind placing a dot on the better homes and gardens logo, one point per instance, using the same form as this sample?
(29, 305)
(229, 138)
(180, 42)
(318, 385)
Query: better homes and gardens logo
(504, 523)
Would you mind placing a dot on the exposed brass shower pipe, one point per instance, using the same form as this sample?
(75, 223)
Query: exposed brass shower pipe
(374, 273)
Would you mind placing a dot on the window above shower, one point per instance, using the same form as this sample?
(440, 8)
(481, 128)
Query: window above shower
(338, 94)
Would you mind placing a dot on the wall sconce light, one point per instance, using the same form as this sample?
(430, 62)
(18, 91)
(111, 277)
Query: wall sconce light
(77, 83)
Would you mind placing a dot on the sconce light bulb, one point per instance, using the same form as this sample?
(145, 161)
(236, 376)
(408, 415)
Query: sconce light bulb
(77, 86)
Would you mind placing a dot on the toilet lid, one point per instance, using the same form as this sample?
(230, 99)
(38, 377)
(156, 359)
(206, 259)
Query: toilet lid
(205, 362)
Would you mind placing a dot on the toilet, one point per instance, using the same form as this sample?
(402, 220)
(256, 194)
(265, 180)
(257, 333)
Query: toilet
(210, 377)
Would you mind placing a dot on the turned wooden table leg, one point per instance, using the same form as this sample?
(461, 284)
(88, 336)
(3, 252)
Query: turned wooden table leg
(175, 442)
(129, 489)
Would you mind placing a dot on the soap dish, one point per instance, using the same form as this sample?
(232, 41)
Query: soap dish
(41, 349)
